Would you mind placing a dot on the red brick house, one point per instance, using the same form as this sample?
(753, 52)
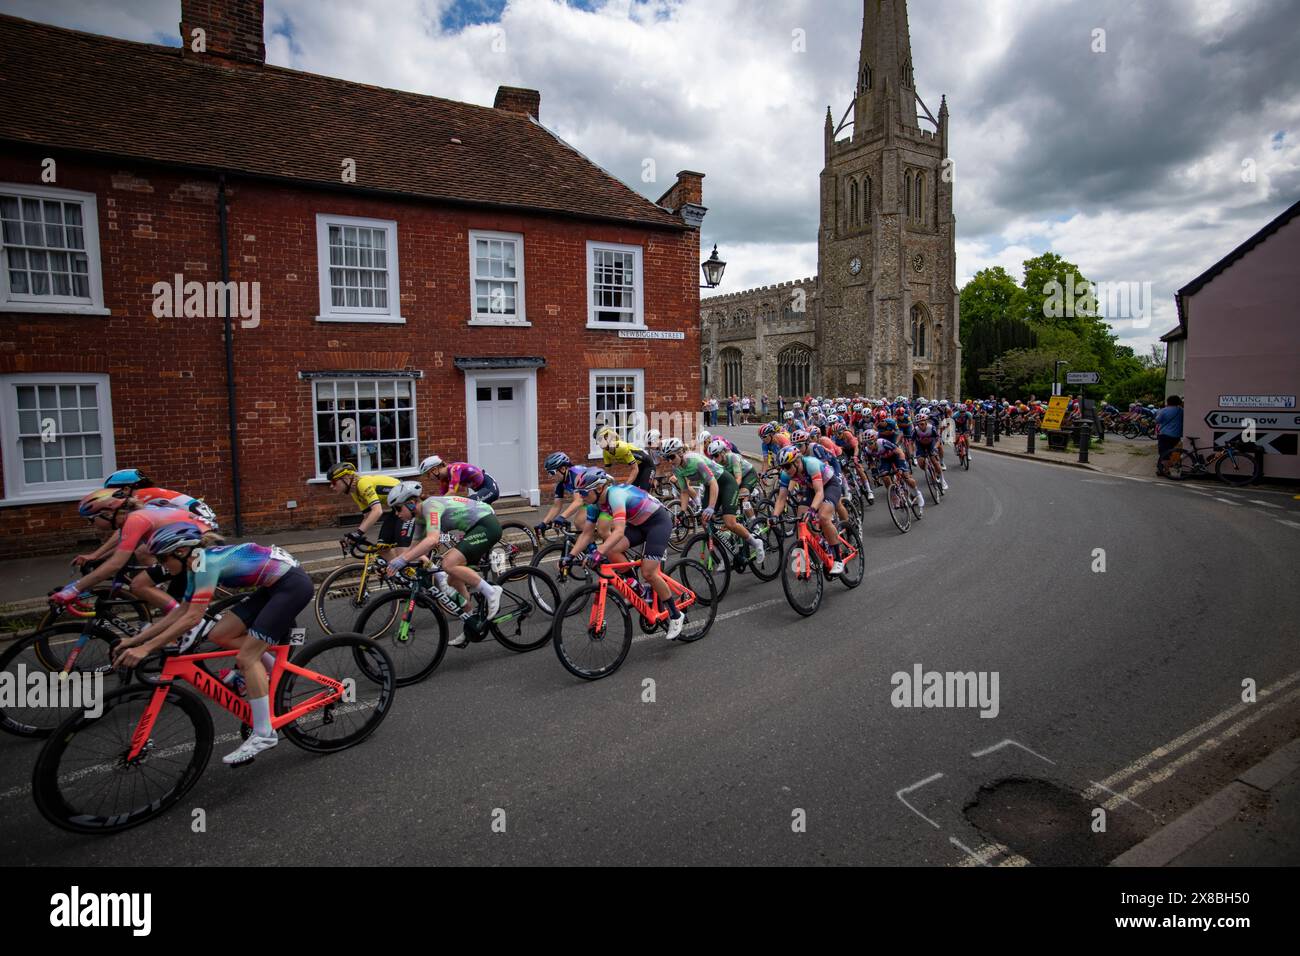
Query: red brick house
(412, 275)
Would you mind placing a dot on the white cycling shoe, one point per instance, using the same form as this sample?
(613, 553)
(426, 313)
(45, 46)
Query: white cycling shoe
(494, 602)
(759, 549)
(944, 485)
(249, 749)
(675, 625)
(837, 568)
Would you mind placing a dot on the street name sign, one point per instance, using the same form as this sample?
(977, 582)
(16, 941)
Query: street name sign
(1257, 401)
(647, 334)
(1082, 378)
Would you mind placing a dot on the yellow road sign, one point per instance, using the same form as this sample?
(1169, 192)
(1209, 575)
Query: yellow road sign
(1056, 407)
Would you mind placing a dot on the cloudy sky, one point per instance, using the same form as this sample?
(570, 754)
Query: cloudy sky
(1143, 163)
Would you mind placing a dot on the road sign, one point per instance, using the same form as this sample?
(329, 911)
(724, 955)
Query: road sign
(1272, 421)
(1082, 378)
(1257, 401)
(1056, 406)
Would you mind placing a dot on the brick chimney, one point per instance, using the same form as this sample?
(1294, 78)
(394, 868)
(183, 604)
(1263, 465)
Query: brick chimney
(515, 99)
(686, 197)
(232, 30)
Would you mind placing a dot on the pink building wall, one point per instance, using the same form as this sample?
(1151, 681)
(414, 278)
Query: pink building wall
(1243, 338)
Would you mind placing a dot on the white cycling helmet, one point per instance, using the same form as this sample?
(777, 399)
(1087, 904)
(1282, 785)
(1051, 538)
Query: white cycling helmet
(717, 447)
(607, 438)
(404, 492)
(652, 438)
(788, 416)
(705, 436)
(430, 463)
(672, 446)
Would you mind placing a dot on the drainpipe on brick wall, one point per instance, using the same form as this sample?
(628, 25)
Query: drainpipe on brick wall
(230, 353)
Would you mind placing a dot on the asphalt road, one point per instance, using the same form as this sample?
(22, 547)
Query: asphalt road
(773, 720)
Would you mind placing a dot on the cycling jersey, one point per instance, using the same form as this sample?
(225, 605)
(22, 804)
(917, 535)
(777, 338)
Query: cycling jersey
(814, 470)
(695, 468)
(625, 503)
(140, 525)
(961, 421)
(155, 497)
(236, 566)
(927, 440)
(624, 453)
(848, 444)
(448, 513)
(370, 490)
(740, 469)
(460, 473)
(891, 456)
(826, 450)
(566, 487)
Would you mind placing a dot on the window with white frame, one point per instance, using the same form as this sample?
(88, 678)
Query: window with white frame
(497, 278)
(617, 399)
(50, 243)
(357, 262)
(61, 430)
(614, 285)
(369, 422)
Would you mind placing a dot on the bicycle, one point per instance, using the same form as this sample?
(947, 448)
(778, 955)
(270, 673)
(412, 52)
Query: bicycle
(808, 563)
(1232, 463)
(933, 477)
(721, 552)
(150, 744)
(591, 648)
(963, 451)
(417, 644)
(903, 506)
(350, 587)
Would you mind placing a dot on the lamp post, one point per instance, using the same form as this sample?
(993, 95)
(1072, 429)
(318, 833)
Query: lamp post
(1056, 376)
(713, 268)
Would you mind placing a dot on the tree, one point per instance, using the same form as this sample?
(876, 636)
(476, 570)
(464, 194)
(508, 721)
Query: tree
(989, 326)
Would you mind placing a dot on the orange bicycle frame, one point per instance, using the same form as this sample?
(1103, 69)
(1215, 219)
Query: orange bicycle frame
(609, 577)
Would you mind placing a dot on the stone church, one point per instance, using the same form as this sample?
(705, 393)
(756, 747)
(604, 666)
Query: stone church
(880, 317)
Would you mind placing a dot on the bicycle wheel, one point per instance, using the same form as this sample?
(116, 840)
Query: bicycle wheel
(682, 526)
(693, 576)
(856, 569)
(514, 549)
(770, 534)
(82, 781)
(801, 579)
(930, 483)
(914, 502)
(1237, 469)
(965, 458)
(710, 553)
(898, 510)
(592, 649)
(23, 658)
(342, 595)
(526, 616)
(415, 647)
(367, 674)
(566, 580)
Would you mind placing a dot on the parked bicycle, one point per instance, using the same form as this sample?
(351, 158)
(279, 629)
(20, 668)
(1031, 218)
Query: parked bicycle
(1233, 463)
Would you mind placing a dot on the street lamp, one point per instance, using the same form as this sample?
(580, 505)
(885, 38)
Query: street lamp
(1056, 376)
(713, 268)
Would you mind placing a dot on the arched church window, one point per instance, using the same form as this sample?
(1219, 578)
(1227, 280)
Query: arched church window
(866, 198)
(920, 333)
(907, 192)
(794, 370)
(920, 197)
(864, 83)
(732, 367)
(853, 202)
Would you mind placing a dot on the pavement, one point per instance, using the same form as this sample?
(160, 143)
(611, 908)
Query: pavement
(780, 739)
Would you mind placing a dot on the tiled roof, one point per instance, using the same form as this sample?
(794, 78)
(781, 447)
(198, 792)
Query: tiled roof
(72, 90)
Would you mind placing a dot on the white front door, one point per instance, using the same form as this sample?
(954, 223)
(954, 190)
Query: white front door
(500, 405)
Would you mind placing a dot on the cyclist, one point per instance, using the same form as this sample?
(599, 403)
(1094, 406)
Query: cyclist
(928, 442)
(368, 492)
(851, 454)
(255, 624)
(820, 494)
(429, 519)
(460, 478)
(739, 474)
(638, 520)
(962, 423)
(693, 468)
(134, 523)
(615, 451)
(142, 489)
(560, 515)
(892, 461)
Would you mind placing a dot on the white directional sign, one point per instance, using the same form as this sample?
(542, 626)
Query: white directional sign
(646, 334)
(1257, 401)
(1273, 421)
(1082, 378)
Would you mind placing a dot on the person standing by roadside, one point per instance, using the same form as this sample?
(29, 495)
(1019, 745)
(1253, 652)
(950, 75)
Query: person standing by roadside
(1169, 431)
(744, 410)
(780, 406)
(763, 403)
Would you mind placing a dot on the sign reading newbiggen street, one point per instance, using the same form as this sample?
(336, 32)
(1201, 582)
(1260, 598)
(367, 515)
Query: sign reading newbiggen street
(647, 334)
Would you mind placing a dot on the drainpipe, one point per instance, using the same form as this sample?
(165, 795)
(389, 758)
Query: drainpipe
(230, 353)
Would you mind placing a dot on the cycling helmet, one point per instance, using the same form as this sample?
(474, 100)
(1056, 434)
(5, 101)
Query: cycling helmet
(430, 463)
(177, 534)
(341, 469)
(705, 436)
(593, 479)
(800, 436)
(788, 416)
(789, 456)
(717, 447)
(101, 499)
(870, 435)
(555, 461)
(652, 438)
(890, 423)
(767, 431)
(814, 433)
(126, 478)
(672, 446)
(404, 492)
(798, 406)
(607, 438)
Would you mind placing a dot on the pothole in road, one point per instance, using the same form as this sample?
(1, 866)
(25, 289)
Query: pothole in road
(1049, 825)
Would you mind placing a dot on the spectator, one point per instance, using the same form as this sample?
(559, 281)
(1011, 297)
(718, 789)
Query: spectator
(744, 410)
(780, 406)
(713, 411)
(1169, 430)
(731, 411)
(763, 403)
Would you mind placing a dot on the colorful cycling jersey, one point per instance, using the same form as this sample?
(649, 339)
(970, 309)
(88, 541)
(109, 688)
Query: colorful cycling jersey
(461, 473)
(778, 441)
(961, 420)
(739, 467)
(625, 503)
(696, 468)
(848, 443)
(443, 513)
(927, 437)
(890, 455)
(567, 486)
(140, 525)
(236, 566)
(625, 453)
(161, 497)
(818, 450)
(370, 490)
(813, 471)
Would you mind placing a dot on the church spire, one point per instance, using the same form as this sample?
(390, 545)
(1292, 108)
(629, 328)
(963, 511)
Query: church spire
(885, 65)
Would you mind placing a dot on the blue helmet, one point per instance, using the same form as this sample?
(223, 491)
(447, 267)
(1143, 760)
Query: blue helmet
(555, 461)
(126, 478)
(177, 534)
(593, 479)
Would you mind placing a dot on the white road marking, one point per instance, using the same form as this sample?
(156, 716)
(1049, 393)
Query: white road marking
(728, 615)
(1137, 766)
(916, 786)
(1266, 504)
(1290, 524)
(997, 510)
(1009, 743)
(978, 857)
(1235, 504)
(1168, 770)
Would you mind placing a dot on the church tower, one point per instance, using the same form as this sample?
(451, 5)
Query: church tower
(887, 317)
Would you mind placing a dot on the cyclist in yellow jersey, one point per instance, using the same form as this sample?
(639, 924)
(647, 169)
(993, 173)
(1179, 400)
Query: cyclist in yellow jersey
(370, 492)
(615, 451)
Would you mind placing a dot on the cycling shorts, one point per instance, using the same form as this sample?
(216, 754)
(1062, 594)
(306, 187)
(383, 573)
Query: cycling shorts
(728, 494)
(487, 492)
(479, 539)
(271, 612)
(652, 536)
